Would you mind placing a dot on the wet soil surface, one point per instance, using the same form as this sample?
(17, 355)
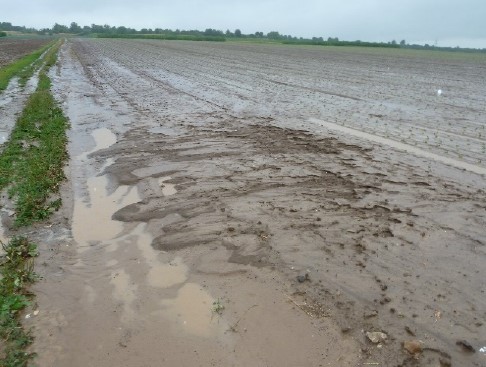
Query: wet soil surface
(208, 220)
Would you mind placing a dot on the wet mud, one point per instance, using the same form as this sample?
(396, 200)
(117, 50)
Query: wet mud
(208, 220)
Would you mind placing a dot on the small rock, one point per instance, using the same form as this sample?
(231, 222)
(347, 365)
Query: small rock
(303, 278)
(370, 314)
(466, 346)
(413, 347)
(408, 330)
(376, 336)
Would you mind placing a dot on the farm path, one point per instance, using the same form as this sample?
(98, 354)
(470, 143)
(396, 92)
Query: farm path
(209, 221)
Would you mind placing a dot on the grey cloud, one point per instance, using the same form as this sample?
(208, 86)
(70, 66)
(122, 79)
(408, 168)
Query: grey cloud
(375, 20)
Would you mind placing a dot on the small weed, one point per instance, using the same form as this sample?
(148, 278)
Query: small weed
(218, 307)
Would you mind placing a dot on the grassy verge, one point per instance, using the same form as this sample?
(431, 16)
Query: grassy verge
(23, 68)
(16, 269)
(31, 169)
(32, 161)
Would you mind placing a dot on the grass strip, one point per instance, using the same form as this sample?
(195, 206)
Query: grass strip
(31, 166)
(24, 68)
(16, 269)
(32, 160)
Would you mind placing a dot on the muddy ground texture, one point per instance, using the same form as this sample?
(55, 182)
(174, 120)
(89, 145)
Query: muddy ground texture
(208, 222)
(14, 48)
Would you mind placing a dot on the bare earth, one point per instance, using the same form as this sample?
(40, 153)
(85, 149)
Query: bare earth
(14, 48)
(216, 216)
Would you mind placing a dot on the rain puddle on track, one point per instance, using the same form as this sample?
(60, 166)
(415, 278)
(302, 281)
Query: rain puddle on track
(92, 221)
(185, 306)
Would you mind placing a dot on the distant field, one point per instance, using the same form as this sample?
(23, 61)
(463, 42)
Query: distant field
(13, 48)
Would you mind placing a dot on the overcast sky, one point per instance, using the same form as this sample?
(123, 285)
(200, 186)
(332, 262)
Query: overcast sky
(441, 22)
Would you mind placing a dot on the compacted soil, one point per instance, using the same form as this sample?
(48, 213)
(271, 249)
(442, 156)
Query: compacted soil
(216, 214)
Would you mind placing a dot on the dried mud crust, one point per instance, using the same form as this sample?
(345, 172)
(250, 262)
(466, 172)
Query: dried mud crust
(387, 246)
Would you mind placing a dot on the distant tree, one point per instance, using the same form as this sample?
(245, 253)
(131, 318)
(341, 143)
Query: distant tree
(74, 28)
(274, 35)
(259, 34)
(229, 33)
(213, 32)
(44, 31)
(122, 30)
(393, 42)
(403, 43)
(95, 28)
(108, 29)
(59, 28)
(237, 33)
(5, 26)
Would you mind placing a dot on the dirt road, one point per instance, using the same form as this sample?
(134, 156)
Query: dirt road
(210, 219)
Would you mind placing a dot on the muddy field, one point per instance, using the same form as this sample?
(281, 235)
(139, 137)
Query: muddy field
(14, 48)
(215, 215)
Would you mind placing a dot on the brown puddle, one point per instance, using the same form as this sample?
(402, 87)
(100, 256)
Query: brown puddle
(193, 310)
(92, 221)
(160, 275)
(190, 310)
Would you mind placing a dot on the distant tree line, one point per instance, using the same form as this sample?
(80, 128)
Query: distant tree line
(6, 26)
(211, 34)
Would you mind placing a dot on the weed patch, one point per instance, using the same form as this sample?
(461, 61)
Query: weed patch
(16, 269)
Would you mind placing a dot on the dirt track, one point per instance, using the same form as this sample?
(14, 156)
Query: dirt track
(197, 177)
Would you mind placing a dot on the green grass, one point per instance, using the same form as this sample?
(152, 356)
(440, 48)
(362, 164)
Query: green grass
(16, 269)
(32, 160)
(24, 68)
